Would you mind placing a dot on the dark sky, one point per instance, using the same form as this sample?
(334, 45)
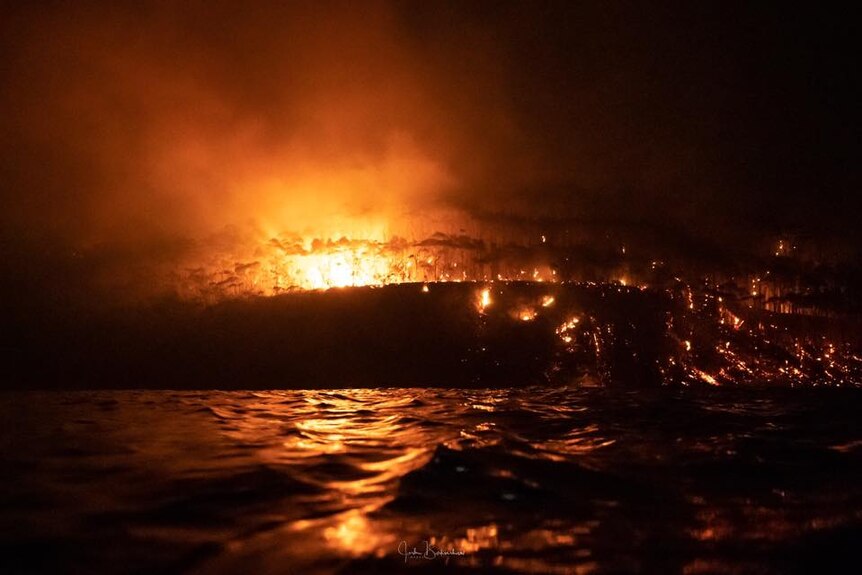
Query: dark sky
(131, 130)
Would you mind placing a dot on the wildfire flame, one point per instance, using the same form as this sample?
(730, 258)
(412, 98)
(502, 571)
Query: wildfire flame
(344, 252)
(484, 299)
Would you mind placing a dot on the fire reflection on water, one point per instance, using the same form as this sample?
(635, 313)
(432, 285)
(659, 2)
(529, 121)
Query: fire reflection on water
(380, 478)
(367, 445)
(532, 480)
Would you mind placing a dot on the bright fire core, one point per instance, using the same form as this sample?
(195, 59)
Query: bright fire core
(295, 263)
(341, 269)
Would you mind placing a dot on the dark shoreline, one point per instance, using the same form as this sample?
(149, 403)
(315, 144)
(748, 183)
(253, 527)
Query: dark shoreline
(389, 336)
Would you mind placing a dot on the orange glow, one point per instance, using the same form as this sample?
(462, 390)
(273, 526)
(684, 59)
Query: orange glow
(269, 263)
(340, 270)
(526, 314)
(569, 325)
(564, 331)
(484, 299)
(706, 377)
(352, 533)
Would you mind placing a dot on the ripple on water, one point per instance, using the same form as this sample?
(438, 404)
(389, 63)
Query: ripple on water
(528, 480)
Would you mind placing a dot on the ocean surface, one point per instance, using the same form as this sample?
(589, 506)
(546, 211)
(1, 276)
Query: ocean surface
(527, 480)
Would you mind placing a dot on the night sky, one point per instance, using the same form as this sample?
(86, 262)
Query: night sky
(130, 131)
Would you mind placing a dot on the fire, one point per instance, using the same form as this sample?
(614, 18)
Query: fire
(268, 262)
(706, 377)
(526, 314)
(484, 299)
(564, 331)
(341, 270)
(571, 324)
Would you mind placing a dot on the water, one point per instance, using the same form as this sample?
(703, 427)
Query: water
(531, 480)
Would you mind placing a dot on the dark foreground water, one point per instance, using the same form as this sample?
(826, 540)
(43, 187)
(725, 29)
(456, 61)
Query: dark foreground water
(357, 481)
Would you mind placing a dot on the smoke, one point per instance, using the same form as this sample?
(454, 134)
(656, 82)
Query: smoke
(148, 133)
(144, 132)
(178, 121)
